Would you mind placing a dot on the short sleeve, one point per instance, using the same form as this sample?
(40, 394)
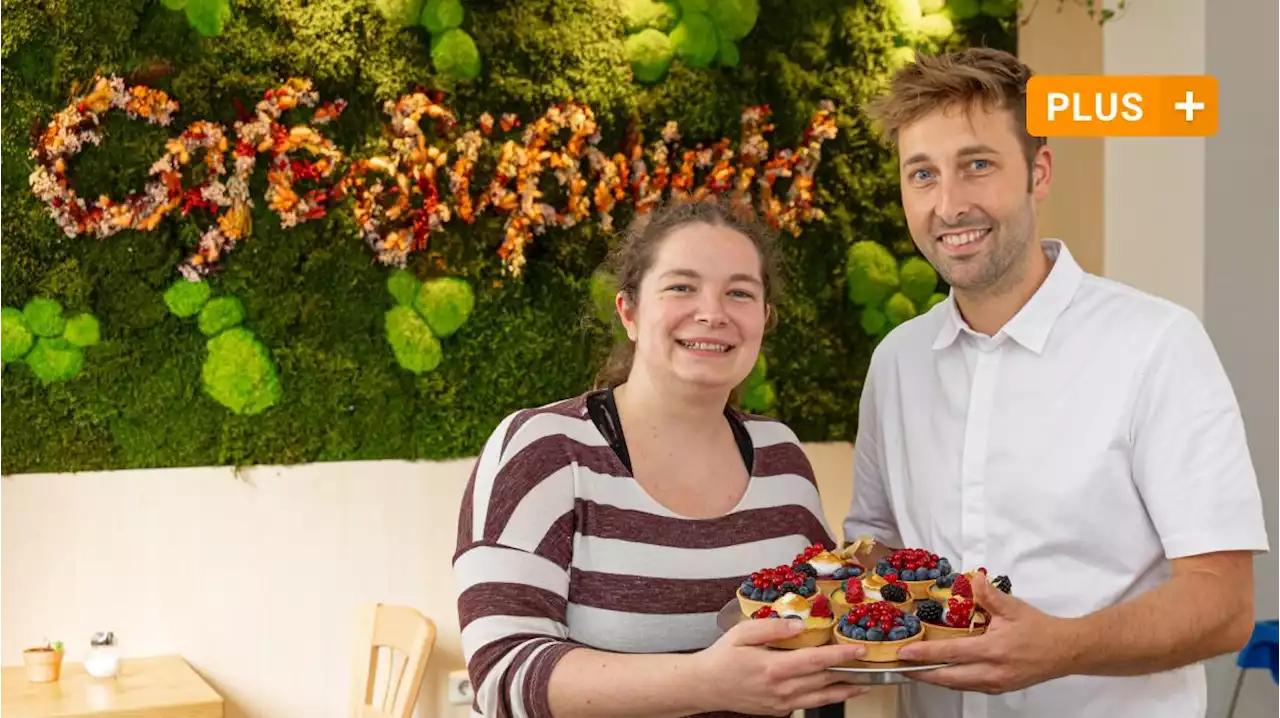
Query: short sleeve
(870, 511)
(1191, 461)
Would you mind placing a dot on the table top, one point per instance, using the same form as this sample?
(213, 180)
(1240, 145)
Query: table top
(142, 688)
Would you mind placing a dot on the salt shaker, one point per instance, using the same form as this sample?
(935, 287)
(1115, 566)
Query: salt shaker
(103, 660)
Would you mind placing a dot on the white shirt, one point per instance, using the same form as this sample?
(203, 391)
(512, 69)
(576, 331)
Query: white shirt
(1090, 440)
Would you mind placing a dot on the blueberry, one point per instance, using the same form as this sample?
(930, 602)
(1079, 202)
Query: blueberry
(898, 634)
(912, 623)
(908, 575)
(883, 568)
(747, 587)
(944, 566)
(769, 595)
(857, 634)
(840, 574)
(862, 622)
(946, 580)
(855, 571)
(811, 583)
(756, 594)
(934, 573)
(875, 634)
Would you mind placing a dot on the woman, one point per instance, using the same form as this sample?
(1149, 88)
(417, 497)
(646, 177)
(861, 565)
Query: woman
(600, 535)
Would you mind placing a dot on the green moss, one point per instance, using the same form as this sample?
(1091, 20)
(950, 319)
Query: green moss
(239, 373)
(455, 55)
(220, 314)
(403, 286)
(441, 15)
(905, 13)
(17, 338)
(963, 9)
(186, 299)
(660, 15)
(728, 55)
(918, 279)
(759, 395)
(415, 347)
(934, 299)
(701, 6)
(44, 317)
(445, 304)
(873, 320)
(928, 7)
(208, 17)
(936, 26)
(694, 40)
(650, 53)
(83, 330)
(316, 298)
(734, 18)
(898, 309)
(54, 360)
(999, 8)
(402, 13)
(871, 273)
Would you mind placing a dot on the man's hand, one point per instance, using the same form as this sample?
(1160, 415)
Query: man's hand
(1021, 647)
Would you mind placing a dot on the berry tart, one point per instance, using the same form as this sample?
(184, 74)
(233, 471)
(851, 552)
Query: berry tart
(955, 618)
(880, 628)
(852, 593)
(767, 585)
(898, 593)
(827, 567)
(916, 568)
(816, 613)
(961, 584)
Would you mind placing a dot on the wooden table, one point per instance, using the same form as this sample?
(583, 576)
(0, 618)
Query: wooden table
(143, 688)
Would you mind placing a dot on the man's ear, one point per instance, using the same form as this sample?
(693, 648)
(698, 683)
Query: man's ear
(627, 313)
(1041, 173)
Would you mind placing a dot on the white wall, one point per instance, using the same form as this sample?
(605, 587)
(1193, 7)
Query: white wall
(1154, 200)
(256, 580)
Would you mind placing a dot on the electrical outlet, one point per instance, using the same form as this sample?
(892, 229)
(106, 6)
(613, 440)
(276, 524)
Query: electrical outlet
(460, 689)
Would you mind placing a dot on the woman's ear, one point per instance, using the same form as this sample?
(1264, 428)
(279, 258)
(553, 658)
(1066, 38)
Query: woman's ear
(627, 313)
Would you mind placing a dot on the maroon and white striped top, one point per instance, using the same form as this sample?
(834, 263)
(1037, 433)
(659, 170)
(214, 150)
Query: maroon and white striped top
(559, 547)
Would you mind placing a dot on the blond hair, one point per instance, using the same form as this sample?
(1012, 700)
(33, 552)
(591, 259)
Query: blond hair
(982, 77)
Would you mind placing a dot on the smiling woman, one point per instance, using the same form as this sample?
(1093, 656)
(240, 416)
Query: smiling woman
(600, 536)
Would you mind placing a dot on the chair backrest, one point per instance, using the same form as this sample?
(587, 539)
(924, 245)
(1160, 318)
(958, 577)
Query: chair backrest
(408, 637)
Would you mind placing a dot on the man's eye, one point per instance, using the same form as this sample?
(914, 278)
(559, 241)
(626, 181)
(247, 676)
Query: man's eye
(921, 175)
(981, 164)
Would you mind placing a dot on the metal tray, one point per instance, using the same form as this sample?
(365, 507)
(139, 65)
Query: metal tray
(861, 672)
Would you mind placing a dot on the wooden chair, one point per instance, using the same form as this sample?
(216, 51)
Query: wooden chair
(408, 637)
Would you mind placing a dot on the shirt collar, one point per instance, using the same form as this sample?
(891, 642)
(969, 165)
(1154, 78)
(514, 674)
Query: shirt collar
(1030, 327)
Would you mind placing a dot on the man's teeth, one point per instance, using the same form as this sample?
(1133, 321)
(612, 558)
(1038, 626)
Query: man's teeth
(956, 240)
(704, 346)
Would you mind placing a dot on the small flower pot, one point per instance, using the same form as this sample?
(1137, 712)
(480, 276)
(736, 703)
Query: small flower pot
(44, 665)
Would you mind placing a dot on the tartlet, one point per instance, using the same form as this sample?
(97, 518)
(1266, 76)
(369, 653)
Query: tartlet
(816, 613)
(767, 585)
(865, 624)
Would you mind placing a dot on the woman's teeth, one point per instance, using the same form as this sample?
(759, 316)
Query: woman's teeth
(957, 240)
(704, 346)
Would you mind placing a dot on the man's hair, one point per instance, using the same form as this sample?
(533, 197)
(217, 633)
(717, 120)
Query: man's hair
(992, 79)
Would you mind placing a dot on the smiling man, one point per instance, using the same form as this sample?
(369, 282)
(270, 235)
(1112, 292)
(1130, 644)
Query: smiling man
(1071, 432)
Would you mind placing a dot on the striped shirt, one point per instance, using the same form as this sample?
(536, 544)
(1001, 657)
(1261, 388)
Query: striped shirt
(559, 548)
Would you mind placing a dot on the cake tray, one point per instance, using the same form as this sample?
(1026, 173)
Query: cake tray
(861, 672)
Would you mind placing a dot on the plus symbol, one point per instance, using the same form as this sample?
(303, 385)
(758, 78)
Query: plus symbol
(1189, 106)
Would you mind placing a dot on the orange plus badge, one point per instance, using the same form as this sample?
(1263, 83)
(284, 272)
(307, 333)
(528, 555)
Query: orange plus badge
(1122, 106)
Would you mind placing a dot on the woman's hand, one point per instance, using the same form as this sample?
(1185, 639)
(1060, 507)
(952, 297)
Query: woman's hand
(743, 676)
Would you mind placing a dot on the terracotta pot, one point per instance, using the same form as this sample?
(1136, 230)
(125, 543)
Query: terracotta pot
(44, 665)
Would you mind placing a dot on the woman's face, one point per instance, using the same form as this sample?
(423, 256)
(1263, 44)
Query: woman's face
(700, 313)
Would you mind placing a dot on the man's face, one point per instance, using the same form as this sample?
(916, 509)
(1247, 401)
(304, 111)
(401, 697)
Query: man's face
(966, 196)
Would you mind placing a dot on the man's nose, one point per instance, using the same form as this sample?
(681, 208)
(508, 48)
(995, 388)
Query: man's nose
(953, 201)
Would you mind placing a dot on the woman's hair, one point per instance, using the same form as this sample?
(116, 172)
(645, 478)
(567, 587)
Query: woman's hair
(632, 257)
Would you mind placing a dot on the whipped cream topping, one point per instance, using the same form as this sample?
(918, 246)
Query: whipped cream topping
(825, 563)
(792, 605)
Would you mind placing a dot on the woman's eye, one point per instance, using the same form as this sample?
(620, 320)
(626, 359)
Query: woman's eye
(742, 294)
(680, 288)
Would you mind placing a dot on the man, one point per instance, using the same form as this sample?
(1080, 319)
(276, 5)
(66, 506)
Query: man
(1073, 433)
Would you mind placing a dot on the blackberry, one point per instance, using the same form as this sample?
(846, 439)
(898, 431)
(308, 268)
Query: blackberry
(788, 587)
(1003, 584)
(894, 593)
(807, 569)
(929, 610)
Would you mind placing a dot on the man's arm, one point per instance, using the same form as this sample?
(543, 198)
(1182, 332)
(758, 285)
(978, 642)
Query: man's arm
(1204, 610)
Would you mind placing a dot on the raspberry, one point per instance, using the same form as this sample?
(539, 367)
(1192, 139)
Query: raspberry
(959, 611)
(962, 587)
(853, 591)
(929, 610)
(891, 576)
(1003, 584)
(821, 607)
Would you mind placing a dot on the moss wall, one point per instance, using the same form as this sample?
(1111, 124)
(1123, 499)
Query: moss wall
(313, 295)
